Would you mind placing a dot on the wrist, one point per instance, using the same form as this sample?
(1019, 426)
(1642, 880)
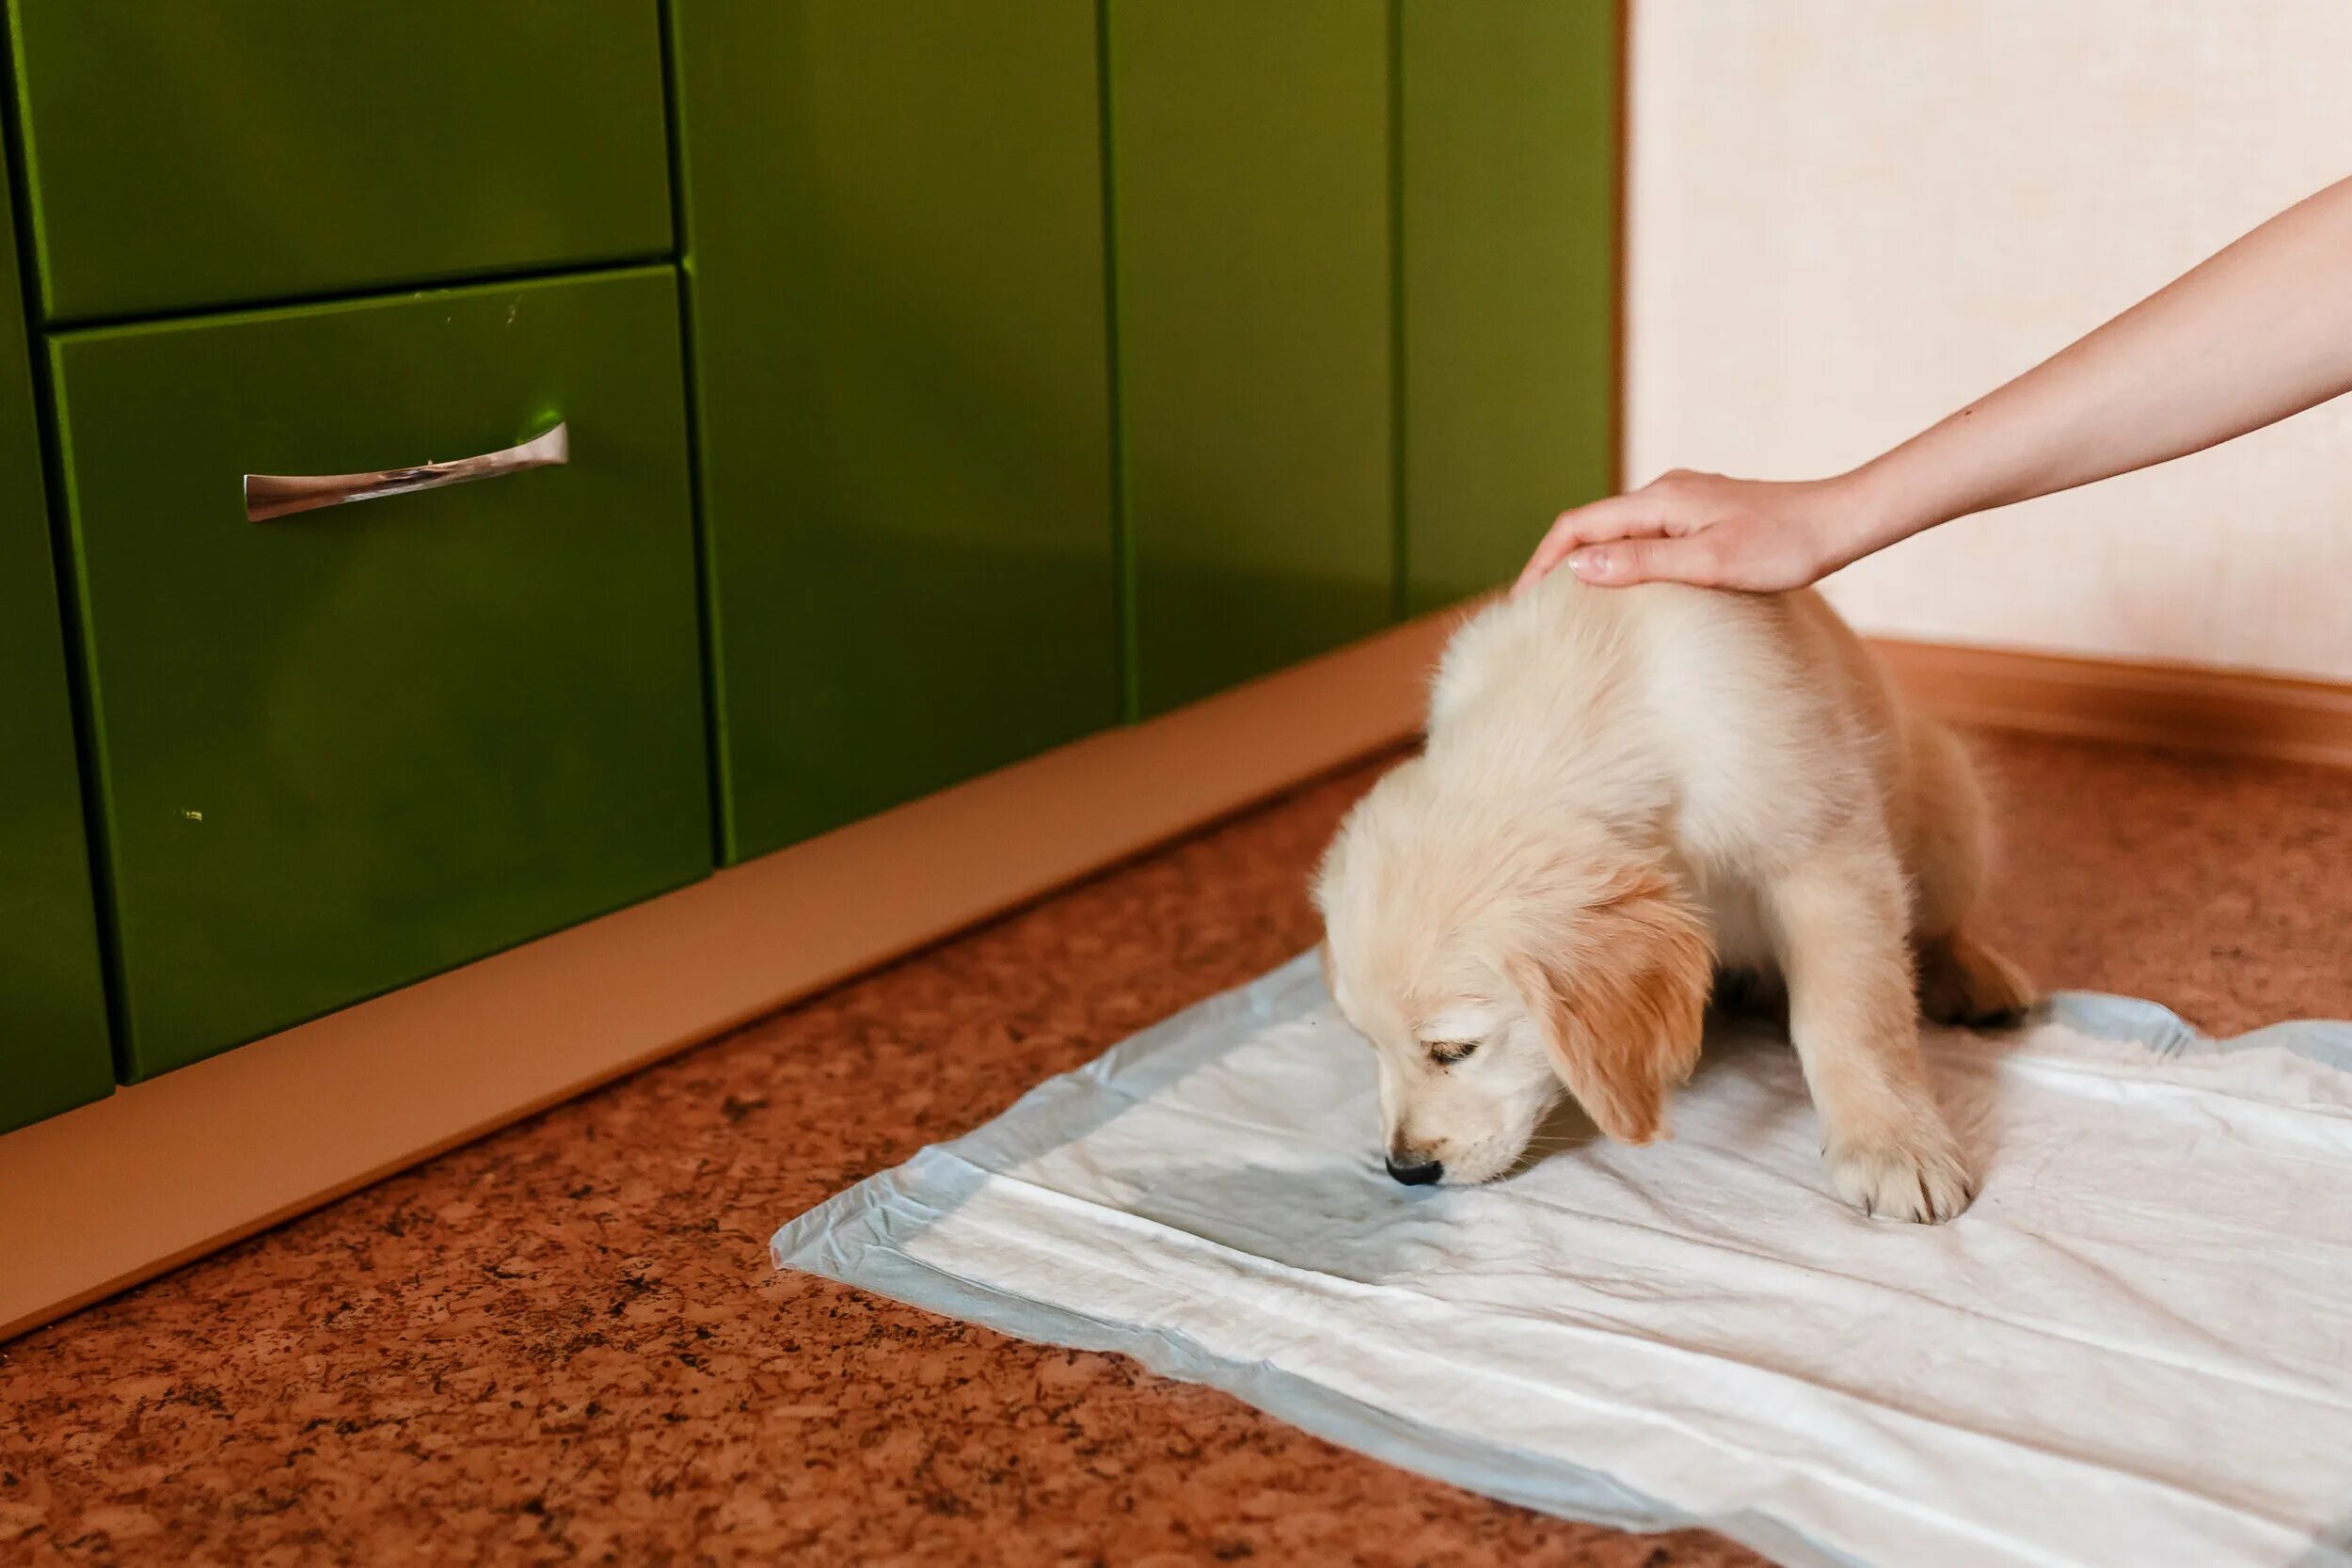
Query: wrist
(1871, 507)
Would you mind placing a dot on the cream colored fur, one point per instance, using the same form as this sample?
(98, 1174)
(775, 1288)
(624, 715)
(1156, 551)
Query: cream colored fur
(1624, 792)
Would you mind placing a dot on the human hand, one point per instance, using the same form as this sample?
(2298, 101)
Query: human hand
(1705, 529)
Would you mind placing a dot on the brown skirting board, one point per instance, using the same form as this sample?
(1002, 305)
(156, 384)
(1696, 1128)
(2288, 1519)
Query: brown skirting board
(114, 1193)
(2189, 707)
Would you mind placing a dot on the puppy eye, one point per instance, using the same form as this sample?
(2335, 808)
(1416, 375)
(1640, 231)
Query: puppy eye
(1447, 1053)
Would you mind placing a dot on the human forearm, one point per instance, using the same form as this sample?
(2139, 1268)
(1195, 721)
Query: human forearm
(2260, 331)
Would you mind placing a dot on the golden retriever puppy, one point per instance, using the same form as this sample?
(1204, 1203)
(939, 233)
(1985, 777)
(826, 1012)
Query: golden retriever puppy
(1624, 792)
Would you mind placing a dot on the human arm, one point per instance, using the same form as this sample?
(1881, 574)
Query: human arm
(2257, 332)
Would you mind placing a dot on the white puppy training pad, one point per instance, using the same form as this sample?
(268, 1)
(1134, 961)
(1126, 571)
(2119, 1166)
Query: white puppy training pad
(2135, 1348)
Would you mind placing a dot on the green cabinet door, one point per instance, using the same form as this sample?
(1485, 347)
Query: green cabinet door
(344, 749)
(1250, 155)
(893, 247)
(52, 1010)
(1508, 228)
(221, 151)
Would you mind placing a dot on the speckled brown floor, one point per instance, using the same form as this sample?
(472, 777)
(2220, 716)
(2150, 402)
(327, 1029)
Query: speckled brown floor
(564, 1344)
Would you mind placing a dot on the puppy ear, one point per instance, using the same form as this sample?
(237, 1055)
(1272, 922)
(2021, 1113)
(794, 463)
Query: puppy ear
(1621, 1014)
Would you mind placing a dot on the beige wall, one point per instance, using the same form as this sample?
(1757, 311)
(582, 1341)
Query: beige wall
(1850, 216)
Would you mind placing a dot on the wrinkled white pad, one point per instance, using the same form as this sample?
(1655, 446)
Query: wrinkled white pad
(2135, 1349)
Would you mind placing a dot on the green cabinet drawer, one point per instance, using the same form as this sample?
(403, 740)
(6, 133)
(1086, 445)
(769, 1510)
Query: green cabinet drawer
(1250, 176)
(344, 749)
(895, 253)
(237, 150)
(1508, 237)
(53, 1007)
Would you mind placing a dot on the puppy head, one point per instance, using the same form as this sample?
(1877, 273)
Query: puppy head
(1494, 952)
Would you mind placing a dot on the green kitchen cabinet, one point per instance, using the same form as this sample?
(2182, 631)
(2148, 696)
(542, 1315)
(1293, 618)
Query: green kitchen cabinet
(224, 152)
(341, 750)
(895, 255)
(1507, 209)
(53, 1049)
(1251, 251)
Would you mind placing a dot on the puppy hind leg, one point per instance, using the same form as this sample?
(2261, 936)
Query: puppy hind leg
(1963, 981)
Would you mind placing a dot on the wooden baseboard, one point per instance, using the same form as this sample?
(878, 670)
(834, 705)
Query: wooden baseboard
(114, 1193)
(104, 1196)
(2238, 712)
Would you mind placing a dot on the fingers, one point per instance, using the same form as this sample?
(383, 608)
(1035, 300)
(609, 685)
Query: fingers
(1615, 517)
(1694, 559)
(1699, 528)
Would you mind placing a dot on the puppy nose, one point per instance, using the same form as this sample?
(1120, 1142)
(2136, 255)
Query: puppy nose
(1415, 1172)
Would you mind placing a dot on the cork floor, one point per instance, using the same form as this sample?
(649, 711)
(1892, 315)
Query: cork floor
(563, 1343)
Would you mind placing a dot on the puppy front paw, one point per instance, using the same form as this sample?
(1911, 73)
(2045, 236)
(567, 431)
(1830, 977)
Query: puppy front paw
(1922, 1179)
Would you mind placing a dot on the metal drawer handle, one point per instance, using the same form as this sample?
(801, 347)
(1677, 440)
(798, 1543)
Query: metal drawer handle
(268, 496)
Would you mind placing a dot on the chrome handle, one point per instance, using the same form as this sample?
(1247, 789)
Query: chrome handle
(268, 496)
